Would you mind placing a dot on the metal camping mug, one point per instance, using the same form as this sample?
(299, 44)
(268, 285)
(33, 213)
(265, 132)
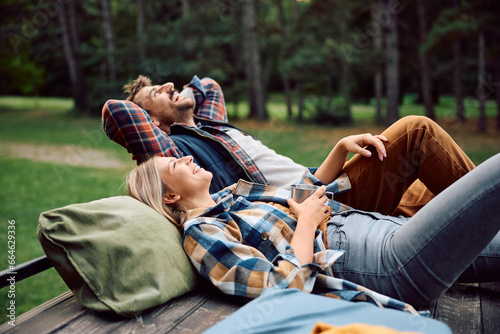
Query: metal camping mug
(300, 192)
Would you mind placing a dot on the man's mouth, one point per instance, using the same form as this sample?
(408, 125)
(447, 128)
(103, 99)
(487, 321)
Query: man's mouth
(175, 96)
(196, 169)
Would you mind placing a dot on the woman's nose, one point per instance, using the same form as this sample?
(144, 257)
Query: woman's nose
(188, 159)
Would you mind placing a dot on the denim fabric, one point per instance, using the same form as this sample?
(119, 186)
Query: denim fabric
(291, 311)
(416, 260)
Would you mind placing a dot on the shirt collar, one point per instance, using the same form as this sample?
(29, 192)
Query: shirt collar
(223, 199)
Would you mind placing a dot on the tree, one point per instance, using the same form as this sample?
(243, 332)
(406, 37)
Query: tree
(345, 62)
(140, 31)
(283, 47)
(457, 80)
(481, 88)
(496, 80)
(392, 66)
(377, 6)
(485, 19)
(425, 71)
(451, 26)
(252, 59)
(71, 44)
(109, 40)
(457, 74)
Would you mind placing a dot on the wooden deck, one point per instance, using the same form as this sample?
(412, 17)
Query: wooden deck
(470, 308)
(193, 312)
(467, 309)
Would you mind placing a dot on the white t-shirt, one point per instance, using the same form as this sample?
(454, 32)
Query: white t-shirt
(280, 171)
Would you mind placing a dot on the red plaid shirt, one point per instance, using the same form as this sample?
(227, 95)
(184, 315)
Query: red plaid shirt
(130, 126)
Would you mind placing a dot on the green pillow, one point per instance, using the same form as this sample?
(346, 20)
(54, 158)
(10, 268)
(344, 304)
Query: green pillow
(116, 254)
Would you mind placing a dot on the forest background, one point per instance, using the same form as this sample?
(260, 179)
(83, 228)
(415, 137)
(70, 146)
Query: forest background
(323, 55)
(298, 75)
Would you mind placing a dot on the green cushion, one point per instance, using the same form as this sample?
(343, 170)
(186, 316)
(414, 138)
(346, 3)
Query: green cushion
(116, 254)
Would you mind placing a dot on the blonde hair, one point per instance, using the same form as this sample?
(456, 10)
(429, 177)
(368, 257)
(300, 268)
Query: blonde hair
(144, 184)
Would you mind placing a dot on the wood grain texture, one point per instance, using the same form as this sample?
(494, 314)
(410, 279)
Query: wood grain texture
(466, 308)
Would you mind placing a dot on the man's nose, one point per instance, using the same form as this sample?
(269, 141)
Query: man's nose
(168, 87)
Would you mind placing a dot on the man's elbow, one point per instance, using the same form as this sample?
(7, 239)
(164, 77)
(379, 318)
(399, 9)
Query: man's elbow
(211, 82)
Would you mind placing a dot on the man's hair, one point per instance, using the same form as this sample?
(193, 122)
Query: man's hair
(133, 87)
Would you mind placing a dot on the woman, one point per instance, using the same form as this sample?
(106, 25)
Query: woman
(244, 238)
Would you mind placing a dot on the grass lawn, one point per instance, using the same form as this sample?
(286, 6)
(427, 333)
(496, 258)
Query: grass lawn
(30, 186)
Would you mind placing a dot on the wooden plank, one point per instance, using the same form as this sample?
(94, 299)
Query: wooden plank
(216, 309)
(184, 310)
(490, 307)
(47, 317)
(460, 308)
(153, 320)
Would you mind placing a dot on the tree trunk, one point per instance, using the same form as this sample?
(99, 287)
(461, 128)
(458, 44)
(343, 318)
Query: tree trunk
(189, 42)
(496, 82)
(481, 91)
(109, 40)
(141, 45)
(185, 8)
(300, 101)
(426, 80)
(67, 22)
(253, 63)
(295, 10)
(377, 6)
(345, 68)
(457, 80)
(73, 33)
(457, 75)
(392, 68)
(284, 76)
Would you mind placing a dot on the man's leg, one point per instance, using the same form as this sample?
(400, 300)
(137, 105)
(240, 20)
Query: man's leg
(414, 198)
(418, 149)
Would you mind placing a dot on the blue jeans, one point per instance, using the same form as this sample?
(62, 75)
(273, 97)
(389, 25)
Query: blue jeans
(454, 237)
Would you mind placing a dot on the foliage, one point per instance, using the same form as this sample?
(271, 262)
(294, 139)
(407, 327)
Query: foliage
(328, 53)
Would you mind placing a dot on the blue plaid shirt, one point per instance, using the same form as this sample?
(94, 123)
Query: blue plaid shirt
(242, 245)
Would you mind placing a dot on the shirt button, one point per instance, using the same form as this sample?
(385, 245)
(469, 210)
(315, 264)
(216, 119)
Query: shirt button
(264, 236)
(248, 162)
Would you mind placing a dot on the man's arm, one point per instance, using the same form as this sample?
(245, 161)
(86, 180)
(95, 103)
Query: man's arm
(130, 126)
(209, 99)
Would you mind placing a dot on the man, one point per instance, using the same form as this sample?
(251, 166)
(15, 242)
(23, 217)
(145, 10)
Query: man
(194, 122)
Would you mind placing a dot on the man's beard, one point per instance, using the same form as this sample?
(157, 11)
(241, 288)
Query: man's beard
(183, 114)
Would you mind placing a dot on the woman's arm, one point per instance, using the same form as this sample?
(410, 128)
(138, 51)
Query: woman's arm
(219, 253)
(310, 214)
(331, 168)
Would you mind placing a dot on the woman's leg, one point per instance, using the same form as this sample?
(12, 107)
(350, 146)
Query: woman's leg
(418, 148)
(480, 269)
(418, 260)
(435, 247)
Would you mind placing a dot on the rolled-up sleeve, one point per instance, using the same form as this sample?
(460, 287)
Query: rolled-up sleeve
(130, 126)
(210, 99)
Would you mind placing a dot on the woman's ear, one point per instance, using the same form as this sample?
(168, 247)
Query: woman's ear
(171, 198)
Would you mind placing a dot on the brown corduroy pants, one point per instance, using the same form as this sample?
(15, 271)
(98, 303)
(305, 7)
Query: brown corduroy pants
(422, 160)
